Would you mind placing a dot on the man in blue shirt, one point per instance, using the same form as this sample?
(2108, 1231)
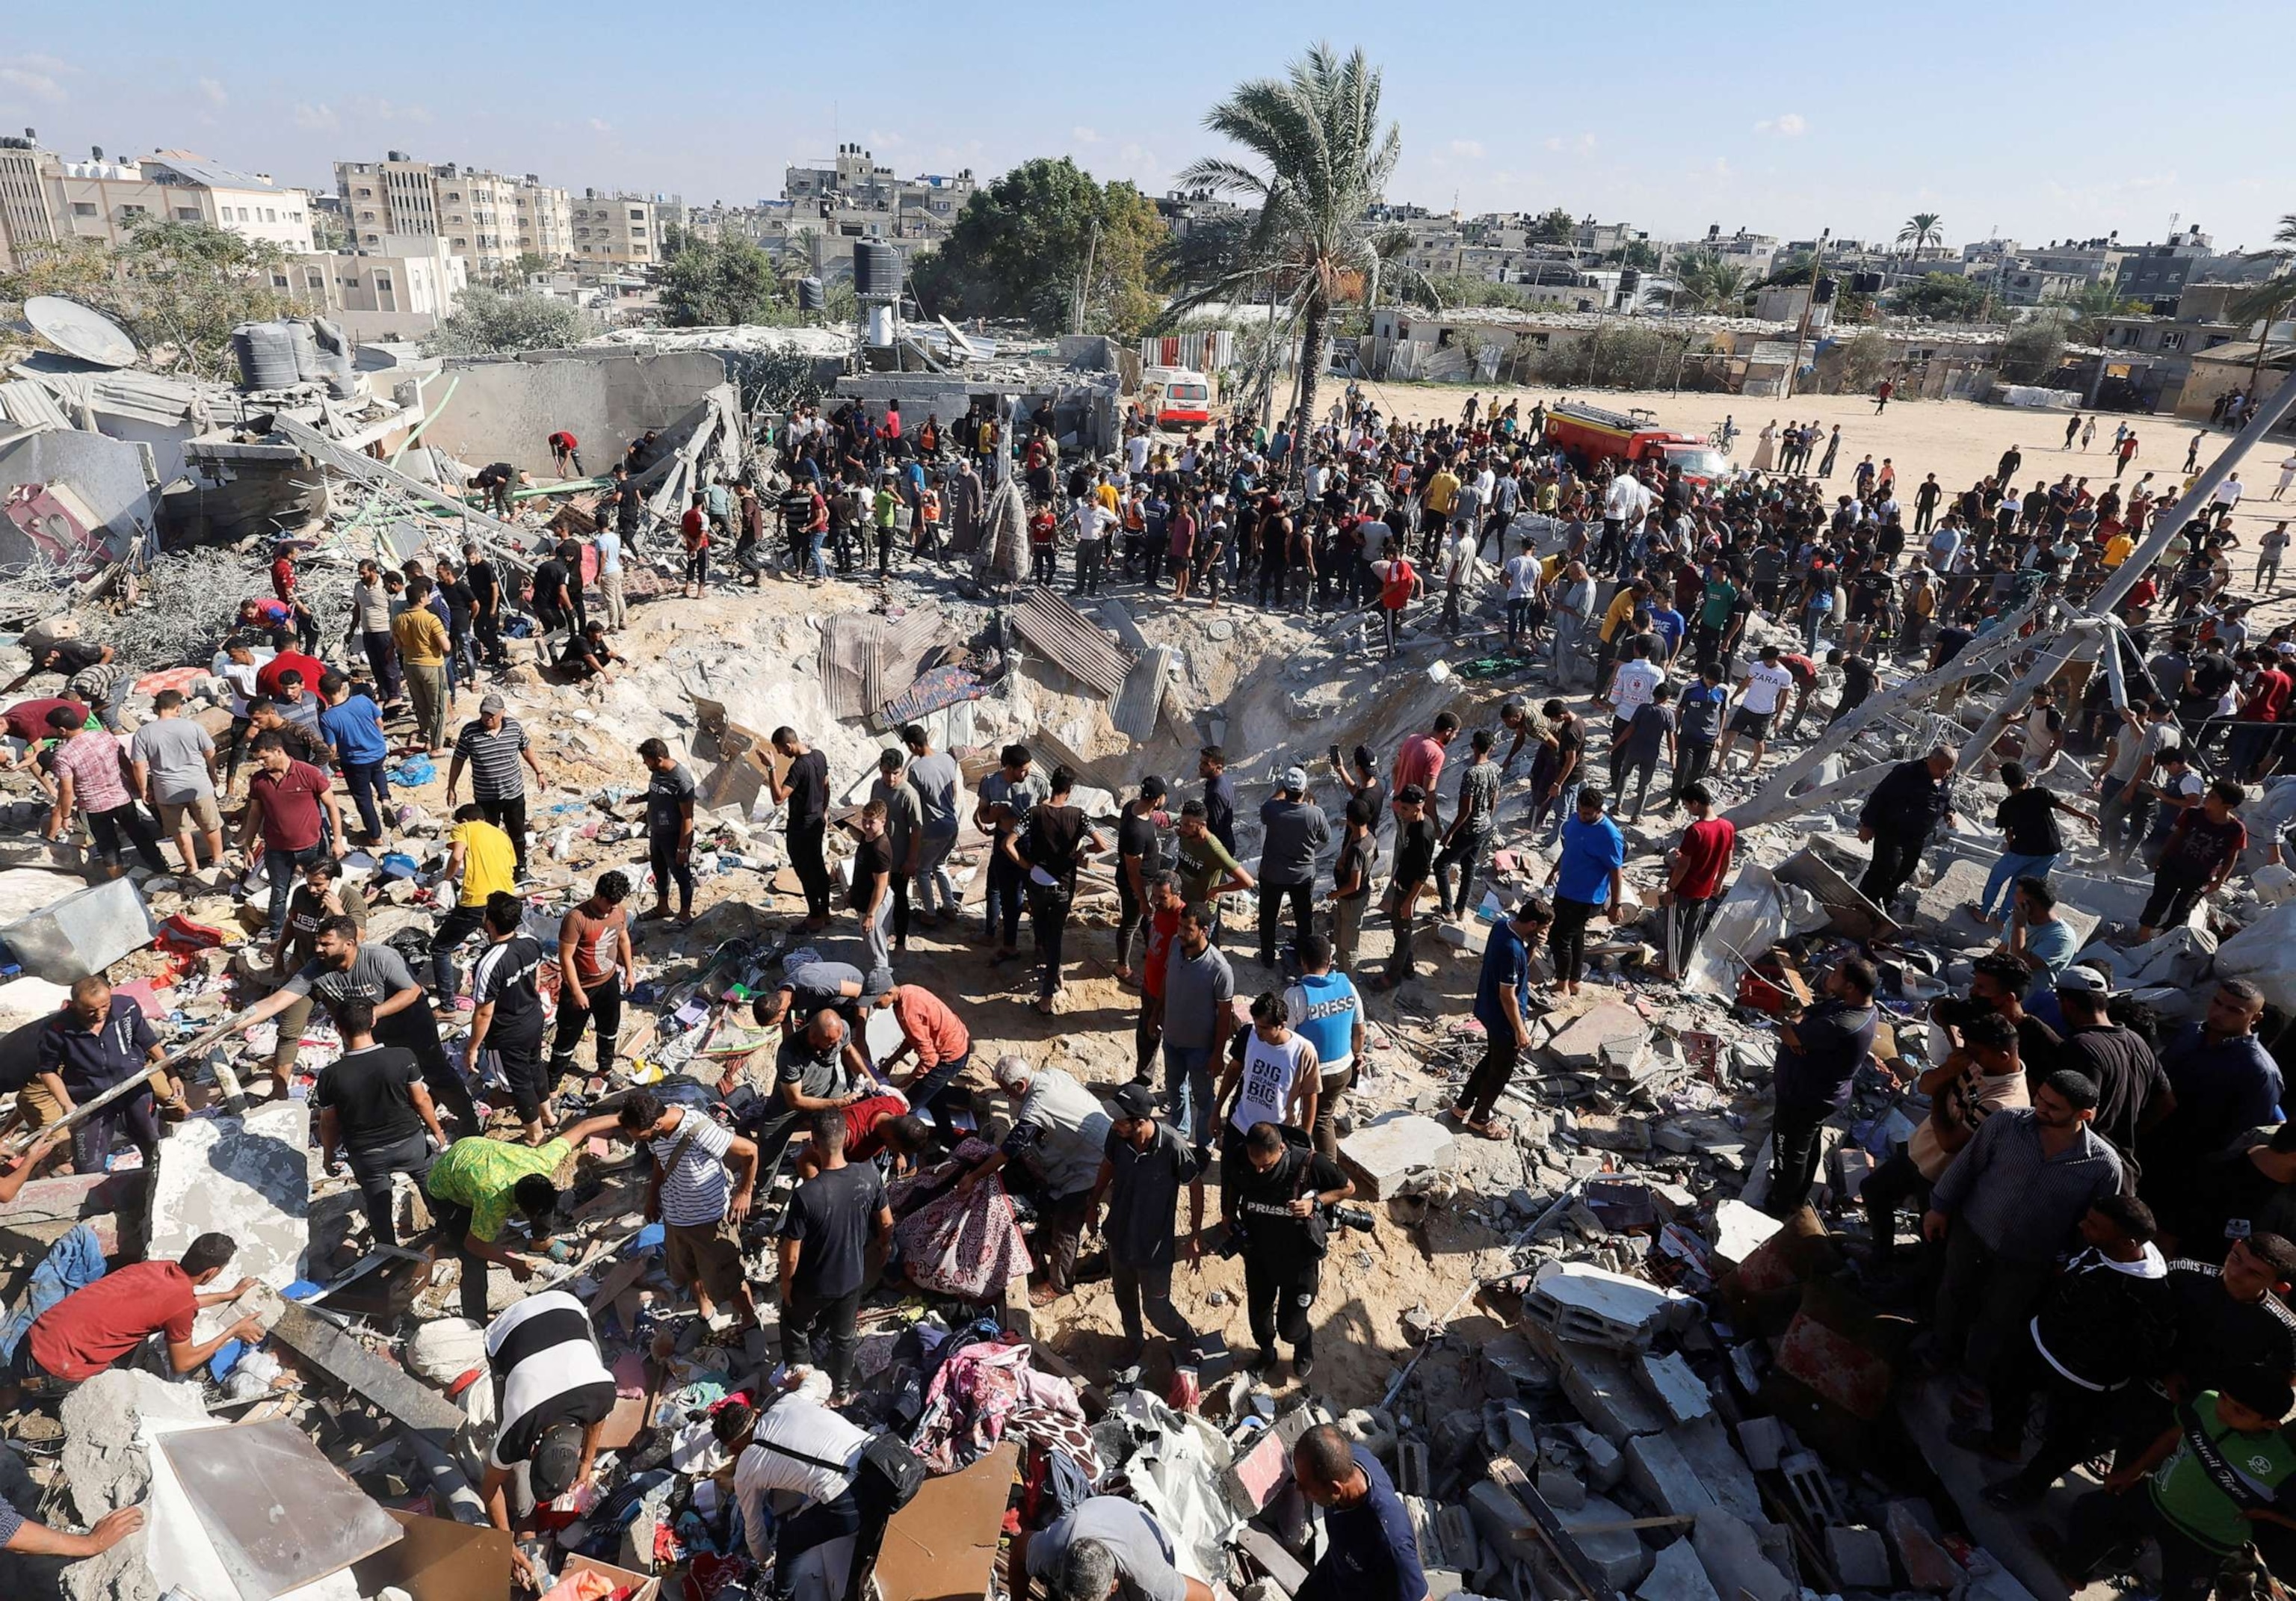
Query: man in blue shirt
(1819, 1052)
(1327, 1011)
(1502, 1006)
(1670, 628)
(2225, 1083)
(1586, 878)
(352, 726)
(1369, 1553)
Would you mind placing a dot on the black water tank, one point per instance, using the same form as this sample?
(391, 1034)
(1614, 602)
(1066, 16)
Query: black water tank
(876, 270)
(1826, 288)
(1866, 283)
(811, 296)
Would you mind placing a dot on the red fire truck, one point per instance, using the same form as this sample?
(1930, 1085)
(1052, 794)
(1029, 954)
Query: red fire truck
(1595, 433)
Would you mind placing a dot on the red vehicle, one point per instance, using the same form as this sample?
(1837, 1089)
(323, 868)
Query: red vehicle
(1595, 433)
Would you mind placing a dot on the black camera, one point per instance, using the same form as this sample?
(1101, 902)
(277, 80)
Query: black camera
(1351, 1217)
(1232, 1247)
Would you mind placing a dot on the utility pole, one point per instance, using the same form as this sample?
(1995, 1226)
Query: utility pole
(1084, 284)
(1808, 305)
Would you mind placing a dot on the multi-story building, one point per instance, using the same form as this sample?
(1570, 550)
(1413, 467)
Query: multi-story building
(1755, 252)
(488, 218)
(401, 287)
(49, 199)
(623, 230)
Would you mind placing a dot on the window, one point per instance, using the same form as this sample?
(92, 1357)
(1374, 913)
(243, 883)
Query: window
(269, 215)
(366, 194)
(462, 244)
(638, 249)
(636, 215)
(187, 214)
(2172, 341)
(382, 281)
(139, 211)
(454, 194)
(312, 279)
(279, 280)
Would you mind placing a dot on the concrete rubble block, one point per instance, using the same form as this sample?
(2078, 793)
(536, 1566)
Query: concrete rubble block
(103, 1463)
(1681, 1391)
(1581, 1302)
(1858, 1555)
(1611, 1027)
(1612, 1556)
(1606, 1132)
(84, 933)
(1705, 1446)
(1265, 1553)
(1599, 1383)
(1940, 905)
(1677, 1575)
(1731, 1553)
(1395, 1151)
(1923, 1558)
(1511, 1370)
(1605, 1465)
(1456, 1544)
(1709, 1133)
(1656, 1469)
(1564, 1490)
(1739, 1231)
(1763, 1440)
(1498, 1516)
(249, 1177)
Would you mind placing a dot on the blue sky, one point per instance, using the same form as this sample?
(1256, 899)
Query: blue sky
(2044, 119)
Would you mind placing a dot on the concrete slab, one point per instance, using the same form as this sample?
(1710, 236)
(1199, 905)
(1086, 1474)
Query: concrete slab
(1705, 1446)
(1763, 1440)
(1580, 1302)
(1387, 1155)
(1740, 1231)
(248, 1177)
(1608, 1026)
(1677, 1575)
(1600, 1384)
(1927, 1564)
(84, 933)
(1605, 1466)
(1731, 1553)
(1614, 1556)
(1665, 1479)
(1681, 1391)
(1940, 905)
(1859, 1556)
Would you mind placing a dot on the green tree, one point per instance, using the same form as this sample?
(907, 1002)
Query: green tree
(1556, 226)
(1920, 232)
(1941, 297)
(1321, 161)
(2270, 302)
(1707, 283)
(1791, 269)
(2034, 349)
(1637, 253)
(1027, 241)
(2086, 307)
(720, 284)
(488, 323)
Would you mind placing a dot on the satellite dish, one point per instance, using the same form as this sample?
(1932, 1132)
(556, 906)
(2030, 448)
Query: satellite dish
(78, 332)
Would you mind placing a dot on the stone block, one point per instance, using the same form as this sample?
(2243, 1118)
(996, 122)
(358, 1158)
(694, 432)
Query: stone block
(1705, 1446)
(1455, 1538)
(1731, 1553)
(249, 1177)
(1677, 1575)
(1581, 1302)
(1614, 1557)
(1611, 1027)
(1605, 1466)
(1265, 1553)
(1707, 1133)
(1564, 1490)
(1923, 1560)
(1498, 1516)
(1657, 1468)
(1858, 1555)
(1681, 1391)
(1599, 1383)
(1940, 905)
(1605, 1132)
(1511, 1370)
(1763, 1440)
(1740, 1231)
(1386, 1156)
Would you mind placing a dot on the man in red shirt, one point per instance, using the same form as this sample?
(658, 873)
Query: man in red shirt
(936, 1037)
(1164, 908)
(28, 720)
(90, 1329)
(2265, 701)
(267, 675)
(878, 1124)
(1700, 862)
(565, 451)
(284, 802)
(693, 531)
(1419, 760)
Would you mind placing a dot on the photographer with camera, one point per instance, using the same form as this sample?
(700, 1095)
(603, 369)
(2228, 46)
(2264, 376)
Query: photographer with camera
(1282, 1194)
(1273, 1076)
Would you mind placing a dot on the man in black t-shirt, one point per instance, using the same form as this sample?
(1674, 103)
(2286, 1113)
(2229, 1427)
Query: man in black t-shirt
(1416, 840)
(802, 789)
(372, 1107)
(1139, 852)
(1050, 846)
(509, 1021)
(834, 1219)
(669, 829)
(486, 605)
(2229, 1319)
(1281, 1190)
(552, 607)
(2032, 841)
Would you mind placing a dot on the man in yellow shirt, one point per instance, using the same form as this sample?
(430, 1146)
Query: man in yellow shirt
(1613, 632)
(423, 645)
(485, 861)
(2116, 550)
(1442, 493)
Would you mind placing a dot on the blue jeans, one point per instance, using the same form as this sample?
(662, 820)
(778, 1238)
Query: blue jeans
(370, 790)
(1565, 804)
(1188, 1093)
(2002, 880)
(280, 870)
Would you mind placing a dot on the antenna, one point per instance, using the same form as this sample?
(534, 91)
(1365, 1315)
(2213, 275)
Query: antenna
(2174, 218)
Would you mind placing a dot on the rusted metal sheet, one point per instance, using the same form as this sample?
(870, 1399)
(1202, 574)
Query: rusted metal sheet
(1072, 642)
(1141, 702)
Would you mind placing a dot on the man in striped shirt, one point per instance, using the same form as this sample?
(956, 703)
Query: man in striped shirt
(493, 745)
(693, 1156)
(553, 1393)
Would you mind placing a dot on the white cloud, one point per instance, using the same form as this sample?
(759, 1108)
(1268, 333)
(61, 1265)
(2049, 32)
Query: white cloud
(878, 139)
(1787, 125)
(1140, 158)
(1577, 144)
(599, 124)
(1473, 149)
(213, 91)
(38, 76)
(317, 119)
(1085, 136)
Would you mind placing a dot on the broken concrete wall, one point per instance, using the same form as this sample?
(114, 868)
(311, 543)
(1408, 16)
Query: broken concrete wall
(249, 1178)
(106, 474)
(504, 411)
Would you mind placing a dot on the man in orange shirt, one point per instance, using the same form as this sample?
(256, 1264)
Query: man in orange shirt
(935, 1035)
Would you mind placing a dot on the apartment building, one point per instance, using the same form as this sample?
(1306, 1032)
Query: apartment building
(488, 219)
(46, 198)
(400, 288)
(620, 229)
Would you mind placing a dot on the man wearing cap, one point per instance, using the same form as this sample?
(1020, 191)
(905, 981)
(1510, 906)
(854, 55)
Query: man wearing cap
(1143, 1166)
(1293, 832)
(553, 1394)
(1503, 1006)
(1060, 1134)
(2132, 1094)
(493, 745)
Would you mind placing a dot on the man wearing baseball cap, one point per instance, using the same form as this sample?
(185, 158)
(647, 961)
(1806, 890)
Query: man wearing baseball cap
(493, 745)
(1141, 1167)
(1294, 831)
(2132, 1090)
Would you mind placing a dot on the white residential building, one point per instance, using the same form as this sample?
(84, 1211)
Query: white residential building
(106, 200)
(488, 218)
(400, 288)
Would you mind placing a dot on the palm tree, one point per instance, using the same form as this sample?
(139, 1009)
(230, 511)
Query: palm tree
(2269, 302)
(2086, 307)
(1323, 161)
(1709, 283)
(1921, 232)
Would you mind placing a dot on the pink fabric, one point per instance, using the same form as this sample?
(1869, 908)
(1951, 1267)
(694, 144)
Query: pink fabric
(92, 760)
(971, 1249)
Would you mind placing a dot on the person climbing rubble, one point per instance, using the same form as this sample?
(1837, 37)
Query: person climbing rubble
(95, 1328)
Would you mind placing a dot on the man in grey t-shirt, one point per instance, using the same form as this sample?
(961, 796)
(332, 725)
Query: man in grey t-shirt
(1198, 986)
(1133, 1553)
(1295, 830)
(173, 762)
(935, 777)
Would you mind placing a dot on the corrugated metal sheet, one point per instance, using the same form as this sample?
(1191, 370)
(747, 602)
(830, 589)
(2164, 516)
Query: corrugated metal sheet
(849, 643)
(868, 662)
(1138, 707)
(1071, 641)
(29, 405)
